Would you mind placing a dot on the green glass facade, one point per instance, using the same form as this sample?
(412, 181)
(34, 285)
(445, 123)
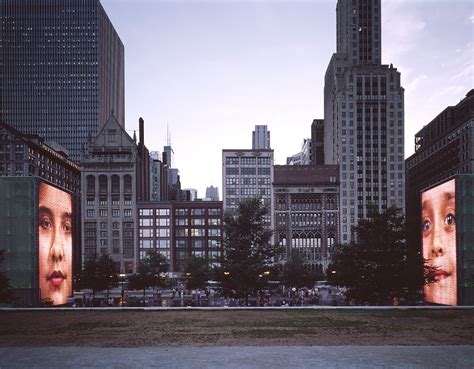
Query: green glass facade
(19, 236)
(465, 238)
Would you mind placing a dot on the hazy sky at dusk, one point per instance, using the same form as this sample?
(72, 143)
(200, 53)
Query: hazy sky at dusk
(211, 71)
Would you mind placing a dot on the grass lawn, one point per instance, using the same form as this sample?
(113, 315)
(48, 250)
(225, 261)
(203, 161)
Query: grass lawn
(236, 327)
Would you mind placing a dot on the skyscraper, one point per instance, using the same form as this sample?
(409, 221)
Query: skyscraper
(261, 138)
(62, 70)
(363, 116)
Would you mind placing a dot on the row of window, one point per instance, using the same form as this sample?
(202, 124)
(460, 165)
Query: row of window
(264, 171)
(235, 160)
(247, 181)
(180, 211)
(90, 213)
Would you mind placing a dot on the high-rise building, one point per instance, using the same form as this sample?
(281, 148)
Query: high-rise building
(304, 156)
(212, 193)
(317, 142)
(443, 148)
(109, 195)
(247, 174)
(62, 70)
(363, 116)
(261, 138)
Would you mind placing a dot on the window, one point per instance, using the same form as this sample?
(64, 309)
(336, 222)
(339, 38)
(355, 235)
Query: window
(214, 221)
(163, 232)
(146, 212)
(127, 183)
(198, 232)
(103, 184)
(198, 244)
(248, 171)
(181, 211)
(214, 232)
(212, 244)
(198, 221)
(146, 222)
(181, 221)
(248, 161)
(146, 244)
(146, 232)
(90, 184)
(231, 181)
(163, 244)
(181, 243)
(181, 232)
(115, 183)
(249, 181)
(90, 200)
(214, 211)
(127, 200)
(103, 213)
(127, 213)
(232, 160)
(115, 200)
(115, 213)
(232, 171)
(163, 222)
(264, 161)
(197, 211)
(163, 212)
(102, 200)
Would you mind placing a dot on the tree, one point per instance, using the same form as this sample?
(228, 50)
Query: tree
(5, 288)
(296, 273)
(247, 250)
(374, 268)
(197, 273)
(98, 275)
(150, 273)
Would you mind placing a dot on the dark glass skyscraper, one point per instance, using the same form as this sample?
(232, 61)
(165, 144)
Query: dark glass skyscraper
(61, 70)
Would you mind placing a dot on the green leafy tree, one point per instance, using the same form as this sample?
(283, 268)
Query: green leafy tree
(247, 250)
(296, 273)
(6, 294)
(374, 268)
(150, 273)
(197, 273)
(98, 275)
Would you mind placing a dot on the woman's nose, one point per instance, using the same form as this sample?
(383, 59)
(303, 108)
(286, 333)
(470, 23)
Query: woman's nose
(57, 250)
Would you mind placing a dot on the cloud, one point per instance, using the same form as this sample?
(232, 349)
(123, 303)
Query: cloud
(471, 18)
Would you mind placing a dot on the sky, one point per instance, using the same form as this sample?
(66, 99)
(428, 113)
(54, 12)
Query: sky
(205, 73)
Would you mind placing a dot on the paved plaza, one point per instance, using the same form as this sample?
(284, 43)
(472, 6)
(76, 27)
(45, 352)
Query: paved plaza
(327, 357)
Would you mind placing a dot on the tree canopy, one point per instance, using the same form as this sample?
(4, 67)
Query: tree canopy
(197, 273)
(150, 272)
(374, 269)
(98, 274)
(247, 249)
(296, 273)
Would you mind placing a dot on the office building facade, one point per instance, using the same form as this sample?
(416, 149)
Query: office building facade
(363, 116)
(247, 174)
(306, 213)
(181, 230)
(62, 70)
(212, 193)
(443, 148)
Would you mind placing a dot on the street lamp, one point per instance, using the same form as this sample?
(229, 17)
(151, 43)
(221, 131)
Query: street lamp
(122, 282)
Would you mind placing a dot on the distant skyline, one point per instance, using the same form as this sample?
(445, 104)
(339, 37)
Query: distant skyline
(211, 71)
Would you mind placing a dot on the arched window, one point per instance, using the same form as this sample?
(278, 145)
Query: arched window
(102, 183)
(90, 182)
(127, 183)
(115, 184)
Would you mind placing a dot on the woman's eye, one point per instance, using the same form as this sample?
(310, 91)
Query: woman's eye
(67, 227)
(426, 225)
(46, 223)
(449, 220)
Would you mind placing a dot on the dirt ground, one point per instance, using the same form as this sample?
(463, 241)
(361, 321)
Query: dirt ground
(236, 327)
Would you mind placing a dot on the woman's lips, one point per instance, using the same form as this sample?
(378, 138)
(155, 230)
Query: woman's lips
(56, 278)
(441, 274)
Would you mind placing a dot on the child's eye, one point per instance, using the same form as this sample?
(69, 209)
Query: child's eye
(426, 225)
(449, 220)
(67, 227)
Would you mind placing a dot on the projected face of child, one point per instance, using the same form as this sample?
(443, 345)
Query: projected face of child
(55, 243)
(439, 242)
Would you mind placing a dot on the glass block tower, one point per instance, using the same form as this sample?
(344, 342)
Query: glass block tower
(363, 116)
(61, 70)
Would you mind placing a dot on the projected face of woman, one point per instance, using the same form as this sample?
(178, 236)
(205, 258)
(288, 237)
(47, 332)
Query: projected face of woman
(439, 242)
(55, 244)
